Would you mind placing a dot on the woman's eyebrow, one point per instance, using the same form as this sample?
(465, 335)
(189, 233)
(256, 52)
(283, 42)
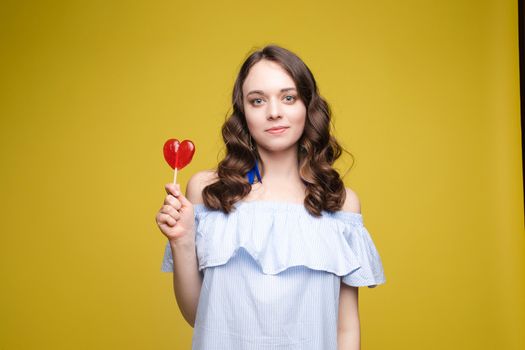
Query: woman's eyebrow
(262, 92)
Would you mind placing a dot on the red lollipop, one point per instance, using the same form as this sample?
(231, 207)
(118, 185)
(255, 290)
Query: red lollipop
(178, 154)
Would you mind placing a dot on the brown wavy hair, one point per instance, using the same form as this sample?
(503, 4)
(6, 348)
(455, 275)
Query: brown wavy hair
(317, 148)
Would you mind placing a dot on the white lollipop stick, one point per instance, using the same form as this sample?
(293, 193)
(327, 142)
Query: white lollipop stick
(175, 176)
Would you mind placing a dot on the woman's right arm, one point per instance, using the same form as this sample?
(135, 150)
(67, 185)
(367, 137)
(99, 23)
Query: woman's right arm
(176, 220)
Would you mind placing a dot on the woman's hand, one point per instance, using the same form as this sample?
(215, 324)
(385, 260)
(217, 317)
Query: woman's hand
(176, 217)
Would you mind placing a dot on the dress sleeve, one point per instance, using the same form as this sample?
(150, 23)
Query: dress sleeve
(167, 261)
(370, 273)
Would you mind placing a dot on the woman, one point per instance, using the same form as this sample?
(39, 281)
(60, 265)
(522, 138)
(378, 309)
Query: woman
(273, 235)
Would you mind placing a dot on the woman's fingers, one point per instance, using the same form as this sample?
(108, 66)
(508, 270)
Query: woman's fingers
(172, 189)
(168, 209)
(168, 214)
(169, 220)
(174, 202)
(165, 219)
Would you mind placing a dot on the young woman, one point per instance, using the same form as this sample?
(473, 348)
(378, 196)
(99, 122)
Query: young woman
(269, 250)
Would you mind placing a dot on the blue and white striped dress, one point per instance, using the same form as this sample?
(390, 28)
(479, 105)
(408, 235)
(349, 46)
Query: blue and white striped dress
(272, 274)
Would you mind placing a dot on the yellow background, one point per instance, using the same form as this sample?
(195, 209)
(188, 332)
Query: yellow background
(425, 95)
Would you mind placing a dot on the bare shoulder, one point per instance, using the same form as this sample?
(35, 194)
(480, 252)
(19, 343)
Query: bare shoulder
(351, 203)
(197, 183)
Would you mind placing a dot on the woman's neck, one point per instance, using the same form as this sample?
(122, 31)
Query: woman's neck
(279, 166)
(280, 176)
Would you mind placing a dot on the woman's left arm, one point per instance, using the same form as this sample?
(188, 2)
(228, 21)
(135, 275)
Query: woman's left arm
(348, 330)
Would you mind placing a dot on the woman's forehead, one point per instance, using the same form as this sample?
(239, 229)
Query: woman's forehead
(268, 77)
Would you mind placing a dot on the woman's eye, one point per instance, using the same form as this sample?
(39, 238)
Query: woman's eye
(258, 101)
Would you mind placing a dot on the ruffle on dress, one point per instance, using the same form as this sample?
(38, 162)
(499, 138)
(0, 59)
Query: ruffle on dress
(280, 235)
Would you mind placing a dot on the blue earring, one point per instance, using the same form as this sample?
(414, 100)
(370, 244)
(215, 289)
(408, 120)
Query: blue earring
(254, 171)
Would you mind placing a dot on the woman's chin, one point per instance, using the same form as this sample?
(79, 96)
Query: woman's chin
(278, 148)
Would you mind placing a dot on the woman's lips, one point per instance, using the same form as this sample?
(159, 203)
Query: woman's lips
(277, 131)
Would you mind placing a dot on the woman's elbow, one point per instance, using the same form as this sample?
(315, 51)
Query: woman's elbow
(348, 340)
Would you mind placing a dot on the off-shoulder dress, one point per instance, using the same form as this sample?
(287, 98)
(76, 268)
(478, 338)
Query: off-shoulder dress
(272, 275)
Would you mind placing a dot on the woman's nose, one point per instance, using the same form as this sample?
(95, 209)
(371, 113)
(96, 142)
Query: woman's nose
(274, 109)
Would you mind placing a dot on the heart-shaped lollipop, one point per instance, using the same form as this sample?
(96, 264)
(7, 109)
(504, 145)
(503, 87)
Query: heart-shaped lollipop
(178, 154)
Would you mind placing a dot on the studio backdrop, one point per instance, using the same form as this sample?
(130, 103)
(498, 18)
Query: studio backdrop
(424, 95)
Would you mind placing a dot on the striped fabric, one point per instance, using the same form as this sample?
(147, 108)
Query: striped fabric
(272, 275)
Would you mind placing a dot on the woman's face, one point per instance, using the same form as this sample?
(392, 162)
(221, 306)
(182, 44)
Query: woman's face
(271, 100)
